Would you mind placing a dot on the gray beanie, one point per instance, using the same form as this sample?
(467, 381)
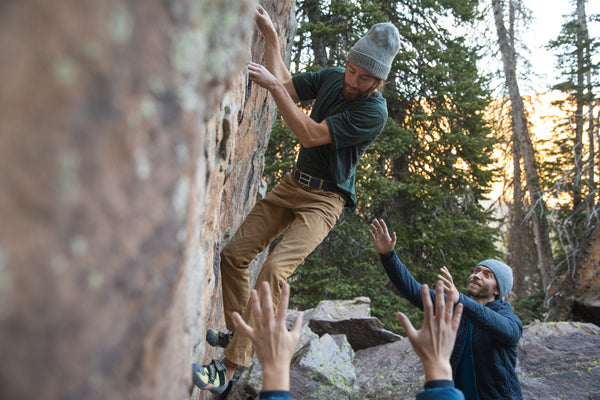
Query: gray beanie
(503, 273)
(375, 51)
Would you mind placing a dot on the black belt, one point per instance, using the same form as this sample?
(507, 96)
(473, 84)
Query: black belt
(311, 181)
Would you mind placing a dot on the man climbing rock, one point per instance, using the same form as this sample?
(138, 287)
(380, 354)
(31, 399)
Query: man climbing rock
(349, 113)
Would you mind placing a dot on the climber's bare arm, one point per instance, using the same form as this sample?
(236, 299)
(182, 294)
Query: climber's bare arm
(273, 60)
(309, 132)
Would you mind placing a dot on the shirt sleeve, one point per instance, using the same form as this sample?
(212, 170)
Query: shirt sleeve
(307, 84)
(362, 122)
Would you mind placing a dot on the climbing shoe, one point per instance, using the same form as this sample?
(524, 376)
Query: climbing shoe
(218, 339)
(213, 373)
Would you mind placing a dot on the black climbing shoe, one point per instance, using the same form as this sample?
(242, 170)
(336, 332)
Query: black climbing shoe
(213, 373)
(218, 339)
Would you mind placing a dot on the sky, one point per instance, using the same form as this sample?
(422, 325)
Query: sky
(548, 20)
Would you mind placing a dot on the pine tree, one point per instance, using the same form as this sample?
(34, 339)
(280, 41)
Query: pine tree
(573, 174)
(575, 167)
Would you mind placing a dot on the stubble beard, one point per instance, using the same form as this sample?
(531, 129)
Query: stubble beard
(479, 292)
(350, 94)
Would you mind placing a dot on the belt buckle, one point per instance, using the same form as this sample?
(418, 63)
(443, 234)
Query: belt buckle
(304, 178)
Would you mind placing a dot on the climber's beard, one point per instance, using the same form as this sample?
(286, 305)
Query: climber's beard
(352, 93)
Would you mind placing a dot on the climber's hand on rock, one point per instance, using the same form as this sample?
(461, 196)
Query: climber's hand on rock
(264, 23)
(262, 76)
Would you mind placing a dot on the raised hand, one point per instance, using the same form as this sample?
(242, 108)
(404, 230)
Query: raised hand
(273, 343)
(448, 281)
(434, 342)
(264, 23)
(384, 243)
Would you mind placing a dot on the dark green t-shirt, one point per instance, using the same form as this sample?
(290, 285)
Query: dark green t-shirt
(353, 125)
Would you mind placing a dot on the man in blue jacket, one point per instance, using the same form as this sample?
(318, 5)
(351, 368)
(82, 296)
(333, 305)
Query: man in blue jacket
(485, 352)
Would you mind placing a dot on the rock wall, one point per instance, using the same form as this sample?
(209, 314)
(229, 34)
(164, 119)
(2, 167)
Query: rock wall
(130, 146)
(575, 296)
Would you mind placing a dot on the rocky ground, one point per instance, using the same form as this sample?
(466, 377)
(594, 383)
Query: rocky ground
(344, 353)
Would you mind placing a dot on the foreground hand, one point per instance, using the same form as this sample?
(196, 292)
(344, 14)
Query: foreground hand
(273, 343)
(446, 278)
(434, 342)
(384, 243)
(261, 76)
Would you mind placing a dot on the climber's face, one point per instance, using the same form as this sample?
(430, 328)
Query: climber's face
(358, 82)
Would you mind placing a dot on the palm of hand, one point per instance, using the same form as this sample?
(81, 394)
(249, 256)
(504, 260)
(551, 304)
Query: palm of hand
(384, 243)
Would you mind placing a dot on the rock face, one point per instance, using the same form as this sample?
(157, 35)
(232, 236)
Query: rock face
(131, 146)
(560, 361)
(576, 294)
(555, 360)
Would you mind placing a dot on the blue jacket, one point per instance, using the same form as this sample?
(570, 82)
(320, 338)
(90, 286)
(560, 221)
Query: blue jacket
(440, 390)
(275, 395)
(434, 390)
(496, 334)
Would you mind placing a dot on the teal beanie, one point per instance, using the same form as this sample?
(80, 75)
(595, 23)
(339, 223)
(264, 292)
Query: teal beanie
(503, 273)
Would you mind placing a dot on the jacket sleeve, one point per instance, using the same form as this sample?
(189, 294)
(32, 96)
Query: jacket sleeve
(275, 395)
(444, 392)
(496, 319)
(403, 280)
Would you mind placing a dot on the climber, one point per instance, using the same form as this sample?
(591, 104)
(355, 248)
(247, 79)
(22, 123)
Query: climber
(275, 345)
(349, 113)
(485, 353)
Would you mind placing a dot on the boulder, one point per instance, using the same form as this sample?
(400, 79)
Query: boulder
(323, 369)
(560, 360)
(389, 371)
(352, 319)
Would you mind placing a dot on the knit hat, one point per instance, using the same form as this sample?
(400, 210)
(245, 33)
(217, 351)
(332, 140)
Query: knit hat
(375, 51)
(503, 273)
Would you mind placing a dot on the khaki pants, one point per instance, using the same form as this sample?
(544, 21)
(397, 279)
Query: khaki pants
(309, 214)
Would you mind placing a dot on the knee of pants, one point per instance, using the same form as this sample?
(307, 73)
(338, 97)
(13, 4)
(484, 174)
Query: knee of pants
(229, 259)
(274, 274)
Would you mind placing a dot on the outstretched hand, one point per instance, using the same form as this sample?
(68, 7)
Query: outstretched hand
(273, 343)
(434, 342)
(384, 243)
(448, 281)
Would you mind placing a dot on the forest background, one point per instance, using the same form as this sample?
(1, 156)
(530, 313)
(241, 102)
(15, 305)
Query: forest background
(454, 135)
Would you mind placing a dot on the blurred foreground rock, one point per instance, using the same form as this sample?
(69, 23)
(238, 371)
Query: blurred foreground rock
(131, 146)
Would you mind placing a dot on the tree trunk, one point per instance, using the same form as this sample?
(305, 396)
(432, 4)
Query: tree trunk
(581, 38)
(523, 140)
(313, 11)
